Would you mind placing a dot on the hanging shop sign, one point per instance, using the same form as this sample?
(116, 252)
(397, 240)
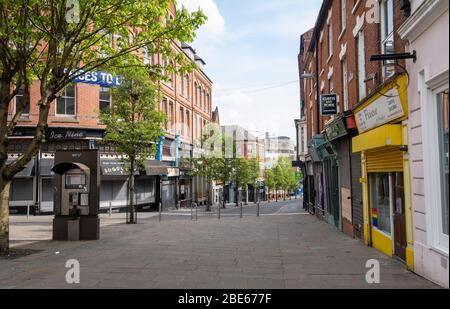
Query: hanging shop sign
(329, 104)
(100, 78)
(335, 130)
(385, 109)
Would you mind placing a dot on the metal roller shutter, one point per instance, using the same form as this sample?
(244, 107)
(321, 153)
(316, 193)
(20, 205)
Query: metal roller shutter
(384, 160)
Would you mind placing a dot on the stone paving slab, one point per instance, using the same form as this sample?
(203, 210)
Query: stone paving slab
(295, 251)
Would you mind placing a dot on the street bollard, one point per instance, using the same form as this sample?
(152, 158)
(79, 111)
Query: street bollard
(160, 211)
(258, 210)
(196, 212)
(242, 214)
(218, 211)
(28, 211)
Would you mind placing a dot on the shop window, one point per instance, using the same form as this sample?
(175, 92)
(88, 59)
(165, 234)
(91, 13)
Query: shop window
(380, 201)
(443, 112)
(21, 190)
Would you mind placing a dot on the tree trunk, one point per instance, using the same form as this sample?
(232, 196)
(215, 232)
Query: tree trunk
(4, 220)
(209, 184)
(246, 195)
(224, 202)
(132, 206)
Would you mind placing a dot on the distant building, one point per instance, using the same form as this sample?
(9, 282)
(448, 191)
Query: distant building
(249, 146)
(276, 147)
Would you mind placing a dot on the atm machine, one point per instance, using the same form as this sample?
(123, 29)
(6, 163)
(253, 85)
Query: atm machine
(76, 195)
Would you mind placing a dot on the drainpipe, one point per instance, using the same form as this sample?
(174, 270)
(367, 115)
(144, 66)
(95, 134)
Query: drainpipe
(317, 88)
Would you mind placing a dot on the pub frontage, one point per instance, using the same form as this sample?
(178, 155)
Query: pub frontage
(33, 187)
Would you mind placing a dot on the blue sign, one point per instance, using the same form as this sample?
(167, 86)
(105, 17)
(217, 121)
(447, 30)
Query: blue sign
(159, 149)
(101, 78)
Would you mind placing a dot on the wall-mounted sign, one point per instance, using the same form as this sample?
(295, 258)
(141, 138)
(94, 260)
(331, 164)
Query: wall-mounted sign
(329, 104)
(382, 111)
(101, 78)
(112, 168)
(61, 135)
(173, 172)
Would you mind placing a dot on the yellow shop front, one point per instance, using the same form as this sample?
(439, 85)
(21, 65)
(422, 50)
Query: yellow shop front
(385, 177)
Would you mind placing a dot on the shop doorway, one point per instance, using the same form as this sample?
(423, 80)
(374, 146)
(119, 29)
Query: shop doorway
(388, 213)
(400, 242)
(332, 192)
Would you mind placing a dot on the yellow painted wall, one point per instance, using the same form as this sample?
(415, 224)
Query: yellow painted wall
(382, 242)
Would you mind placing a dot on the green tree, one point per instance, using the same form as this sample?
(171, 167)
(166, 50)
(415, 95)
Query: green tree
(292, 183)
(284, 175)
(53, 42)
(212, 158)
(279, 178)
(242, 176)
(133, 124)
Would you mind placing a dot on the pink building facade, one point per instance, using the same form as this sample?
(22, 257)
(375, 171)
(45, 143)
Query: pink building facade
(427, 33)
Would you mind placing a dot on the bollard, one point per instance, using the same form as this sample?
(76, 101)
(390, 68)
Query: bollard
(218, 211)
(242, 215)
(160, 211)
(28, 211)
(258, 210)
(196, 212)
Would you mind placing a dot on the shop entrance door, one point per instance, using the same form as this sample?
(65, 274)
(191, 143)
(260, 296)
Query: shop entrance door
(400, 242)
(332, 192)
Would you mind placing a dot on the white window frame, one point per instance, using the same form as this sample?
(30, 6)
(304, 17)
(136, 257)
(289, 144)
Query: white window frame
(345, 83)
(100, 100)
(429, 89)
(330, 41)
(75, 103)
(343, 15)
(23, 115)
(385, 37)
(148, 58)
(361, 65)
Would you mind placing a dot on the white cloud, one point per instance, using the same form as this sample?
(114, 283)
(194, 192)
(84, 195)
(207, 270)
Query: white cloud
(215, 25)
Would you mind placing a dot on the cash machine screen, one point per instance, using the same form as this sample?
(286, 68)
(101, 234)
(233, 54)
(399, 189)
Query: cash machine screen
(75, 181)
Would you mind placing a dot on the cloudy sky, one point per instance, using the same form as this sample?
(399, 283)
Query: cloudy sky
(251, 47)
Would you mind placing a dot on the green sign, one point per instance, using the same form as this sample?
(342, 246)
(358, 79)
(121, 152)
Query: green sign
(298, 176)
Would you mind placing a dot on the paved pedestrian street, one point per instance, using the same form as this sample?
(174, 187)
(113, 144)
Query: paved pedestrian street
(283, 248)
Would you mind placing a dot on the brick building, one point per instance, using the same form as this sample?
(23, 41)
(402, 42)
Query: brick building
(73, 124)
(356, 111)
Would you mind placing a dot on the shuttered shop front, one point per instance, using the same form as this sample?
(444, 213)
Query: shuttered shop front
(384, 160)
